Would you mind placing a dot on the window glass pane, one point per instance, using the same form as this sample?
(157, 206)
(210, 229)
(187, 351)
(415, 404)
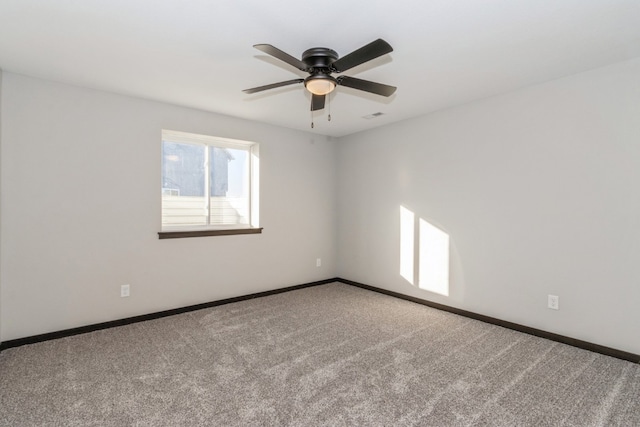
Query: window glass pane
(206, 181)
(183, 184)
(229, 186)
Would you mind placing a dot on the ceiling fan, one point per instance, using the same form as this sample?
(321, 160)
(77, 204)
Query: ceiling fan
(321, 62)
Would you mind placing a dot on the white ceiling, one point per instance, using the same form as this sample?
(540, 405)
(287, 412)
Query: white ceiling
(199, 53)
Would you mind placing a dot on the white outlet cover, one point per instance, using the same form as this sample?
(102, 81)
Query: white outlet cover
(125, 290)
(553, 302)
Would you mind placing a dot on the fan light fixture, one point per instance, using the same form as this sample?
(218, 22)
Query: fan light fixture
(320, 84)
(320, 63)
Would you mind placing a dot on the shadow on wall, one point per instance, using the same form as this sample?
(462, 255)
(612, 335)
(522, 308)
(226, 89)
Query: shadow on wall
(424, 253)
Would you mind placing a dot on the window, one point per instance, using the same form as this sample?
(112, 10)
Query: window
(209, 185)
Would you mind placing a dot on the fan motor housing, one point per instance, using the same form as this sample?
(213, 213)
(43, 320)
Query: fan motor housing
(319, 57)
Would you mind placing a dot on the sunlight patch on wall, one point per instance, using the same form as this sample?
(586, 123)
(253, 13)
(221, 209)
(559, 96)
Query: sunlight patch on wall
(407, 245)
(431, 254)
(433, 259)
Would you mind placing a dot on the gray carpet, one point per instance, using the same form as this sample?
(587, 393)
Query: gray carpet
(328, 355)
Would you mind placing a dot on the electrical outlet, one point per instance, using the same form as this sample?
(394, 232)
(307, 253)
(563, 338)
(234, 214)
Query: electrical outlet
(318, 262)
(553, 302)
(125, 290)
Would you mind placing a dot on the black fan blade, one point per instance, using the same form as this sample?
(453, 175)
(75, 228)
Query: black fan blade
(317, 102)
(272, 86)
(360, 56)
(366, 85)
(282, 56)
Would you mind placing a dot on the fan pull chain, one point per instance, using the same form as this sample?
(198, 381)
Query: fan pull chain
(311, 119)
(329, 107)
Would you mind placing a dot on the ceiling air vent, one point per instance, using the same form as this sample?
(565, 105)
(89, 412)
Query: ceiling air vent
(373, 116)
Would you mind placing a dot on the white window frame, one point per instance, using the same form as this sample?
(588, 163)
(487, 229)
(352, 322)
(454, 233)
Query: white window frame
(252, 148)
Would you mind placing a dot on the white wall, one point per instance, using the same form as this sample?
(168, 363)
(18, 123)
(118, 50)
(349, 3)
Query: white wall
(539, 191)
(80, 177)
(0, 201)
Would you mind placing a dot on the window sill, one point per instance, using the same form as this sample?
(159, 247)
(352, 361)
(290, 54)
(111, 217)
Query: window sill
(203, 233)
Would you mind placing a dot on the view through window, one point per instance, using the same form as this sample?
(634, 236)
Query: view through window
(207, 182)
